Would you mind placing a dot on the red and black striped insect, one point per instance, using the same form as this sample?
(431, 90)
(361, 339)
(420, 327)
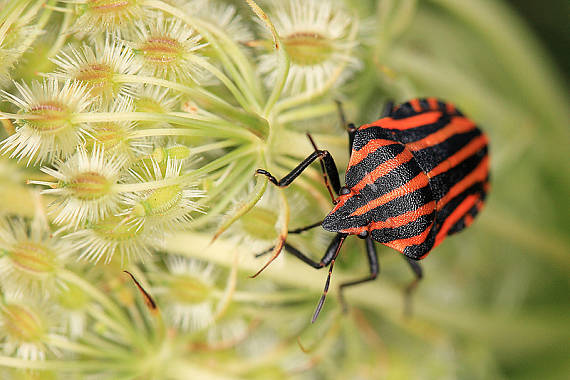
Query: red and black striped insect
(415, 176)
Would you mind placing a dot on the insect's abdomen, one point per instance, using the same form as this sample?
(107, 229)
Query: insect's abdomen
(452, 153)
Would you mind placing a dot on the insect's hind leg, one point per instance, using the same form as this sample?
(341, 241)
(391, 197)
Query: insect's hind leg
(374, 265)
(409, 290)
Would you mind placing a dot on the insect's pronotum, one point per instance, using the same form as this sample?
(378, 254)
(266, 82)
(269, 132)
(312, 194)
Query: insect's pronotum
(415, 176)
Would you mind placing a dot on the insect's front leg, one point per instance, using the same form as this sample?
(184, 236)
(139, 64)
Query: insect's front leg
(330, 172)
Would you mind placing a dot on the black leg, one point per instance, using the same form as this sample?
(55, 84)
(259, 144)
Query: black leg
(374, 270)
(409, 290)
(350, 127)
(388, 107)
(325, 260)
(329, 170)
(328, 166)
(306, 228)
(340, 238)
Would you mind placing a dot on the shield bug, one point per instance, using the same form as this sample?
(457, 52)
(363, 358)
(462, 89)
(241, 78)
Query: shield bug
(415, 176)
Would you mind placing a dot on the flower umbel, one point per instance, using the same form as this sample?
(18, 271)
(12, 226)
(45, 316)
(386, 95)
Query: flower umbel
(45, 126)
(167, 49)
(170, 205)
(318, 36)
(106, 15)
(96, 68)
(85, 187)
(30, 257)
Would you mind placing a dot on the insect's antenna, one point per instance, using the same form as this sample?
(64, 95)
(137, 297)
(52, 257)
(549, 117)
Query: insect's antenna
(325, 291)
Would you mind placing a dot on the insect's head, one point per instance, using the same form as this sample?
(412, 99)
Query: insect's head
(341, 218)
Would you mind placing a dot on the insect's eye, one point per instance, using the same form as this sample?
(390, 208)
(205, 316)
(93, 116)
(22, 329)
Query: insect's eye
(344, 190)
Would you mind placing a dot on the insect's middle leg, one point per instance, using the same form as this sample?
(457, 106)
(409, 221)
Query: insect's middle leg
(374, 271)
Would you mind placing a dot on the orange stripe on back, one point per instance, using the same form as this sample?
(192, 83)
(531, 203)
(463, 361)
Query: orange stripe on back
(421, 180)
(371, 146)
(400, 245)
(457, 125)
(433, 103)
(403, 219)
(415, 103)
(468, 150)
(450, 108)
(383, 169)
(478, 174)
(406, 123)
(455, 216)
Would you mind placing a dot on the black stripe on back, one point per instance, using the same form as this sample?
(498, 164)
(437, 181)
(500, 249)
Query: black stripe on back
(432, 156)
(357, 172)
(414, 228)
(419, 250)
(401, 205)
(409, 135)
(441, 183)
(363, 136)
(444, 213)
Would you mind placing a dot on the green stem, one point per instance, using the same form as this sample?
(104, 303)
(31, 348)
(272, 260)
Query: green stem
(207, 100)
(214, 165)
(204, 29)
(94, 293)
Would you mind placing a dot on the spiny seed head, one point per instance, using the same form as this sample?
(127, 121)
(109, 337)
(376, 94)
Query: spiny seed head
(113, 236)
(30, 257)
(318, 37)
(166, 206)
(84, 190)
(223, 15)
(45, 129)
(96, 68)
(189, 290)
(114, 136)
(106, 15)
(174, 152)
(165, 47)
(12, 44)
(24, 326)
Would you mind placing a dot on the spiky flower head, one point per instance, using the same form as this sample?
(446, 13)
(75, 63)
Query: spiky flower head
(114, 136)
(167, 48)
(14, 37)
(30, 257)
(113, 236)
(45, 128)
(189, 293)
(25, 325)
(84, 189)
(223, 15)
(106, 15)
(167, 206)
(318, 36)
(96, 68)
